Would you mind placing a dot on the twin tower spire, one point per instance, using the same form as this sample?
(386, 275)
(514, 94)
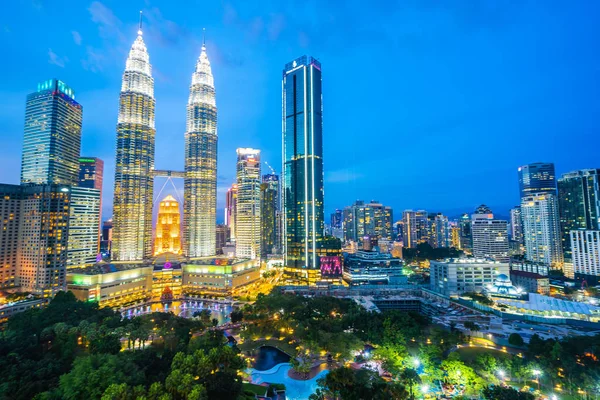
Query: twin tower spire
(134, 169)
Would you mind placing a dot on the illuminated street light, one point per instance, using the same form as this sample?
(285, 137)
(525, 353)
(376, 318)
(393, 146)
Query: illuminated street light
(501, 374)
(537, 373)
(416, 362)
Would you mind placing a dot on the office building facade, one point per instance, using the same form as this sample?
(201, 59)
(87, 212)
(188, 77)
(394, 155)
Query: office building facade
(456, 276)
(372, 220)
(541, 229)
(489, 235)
(230, 210)
(268, 215)
(42, 215)
(516, 225)
(414, 227)
(134, 182)
(168, 227)
(578, 204)
(84, 216)
(200, 183)
(248, 213)
(536, 178)
(302, 178)
(52, 136)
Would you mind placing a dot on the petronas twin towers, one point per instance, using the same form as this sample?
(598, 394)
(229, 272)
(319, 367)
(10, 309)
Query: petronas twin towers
(134, 170)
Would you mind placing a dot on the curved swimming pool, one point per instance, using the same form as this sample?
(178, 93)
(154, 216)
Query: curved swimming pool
(294, 389)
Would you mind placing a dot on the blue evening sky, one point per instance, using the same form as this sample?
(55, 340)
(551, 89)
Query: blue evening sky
(427, 104)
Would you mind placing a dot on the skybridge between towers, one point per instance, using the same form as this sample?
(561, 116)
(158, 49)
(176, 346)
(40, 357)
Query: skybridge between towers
(168, 173)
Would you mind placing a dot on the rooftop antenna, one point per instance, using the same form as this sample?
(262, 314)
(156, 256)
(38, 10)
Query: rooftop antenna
(140, 29)
(203, 37)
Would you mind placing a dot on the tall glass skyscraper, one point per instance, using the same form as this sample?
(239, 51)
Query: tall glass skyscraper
(536, 178)
(52, 139)
(578, 204)
(302, 181)
(132, 206)
(247, 217)
(200, 184)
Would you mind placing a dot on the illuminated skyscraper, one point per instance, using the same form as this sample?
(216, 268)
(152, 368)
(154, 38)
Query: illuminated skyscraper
(84, 227)
(541, 229)
(414, 225)
(578, 204)
(200, 203)
(302, 180)
(248, 221)
(91, 176)
(52, 138)
(230, 210)
(516, 224)
(371, 219)
(269, 201)
(536, 178)
(168, 227)
(132, 206)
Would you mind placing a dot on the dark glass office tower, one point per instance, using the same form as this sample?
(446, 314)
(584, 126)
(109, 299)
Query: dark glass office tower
(52, 138)
(270, 230)
(578, 204)
(536, 178)
(91, 172)
(302, 180)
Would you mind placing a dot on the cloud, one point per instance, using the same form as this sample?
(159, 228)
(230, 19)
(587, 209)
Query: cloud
(94, 60)
(56, 60)
(219, 57)
(109, 26)
(76, 37)
(166, 32)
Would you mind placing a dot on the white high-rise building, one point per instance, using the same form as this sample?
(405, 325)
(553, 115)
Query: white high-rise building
(516, 224)
(541, 229)
(84, 214)
(247, 218)
(490, 236)
(459, 275)
(585, 245)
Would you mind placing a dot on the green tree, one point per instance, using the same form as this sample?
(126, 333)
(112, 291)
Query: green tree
(515, 339)
(505, 393)
(409, 377)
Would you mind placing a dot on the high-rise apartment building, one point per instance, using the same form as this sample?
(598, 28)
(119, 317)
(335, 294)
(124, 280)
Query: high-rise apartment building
(541, 229)
(490, 236)
(578, 204)
(84, 216)
(455, 237)
(248, 216)
(230, 210)
(337, 219)
(34, 237)
(269, 214)
(516, 225)
(168, 227)
(372, 220)
(415, 227)
(134, 182)
(466, 237)
(106, 238)
(442, 231)
(52, 138)
(302, 180)
(200, 203)
(536, 178)
(585, 245)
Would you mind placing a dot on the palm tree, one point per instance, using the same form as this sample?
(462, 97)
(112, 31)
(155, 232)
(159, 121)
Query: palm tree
(410, 378)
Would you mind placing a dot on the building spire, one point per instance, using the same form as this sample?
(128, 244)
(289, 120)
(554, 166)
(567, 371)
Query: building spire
(204, 37)
(140, 28)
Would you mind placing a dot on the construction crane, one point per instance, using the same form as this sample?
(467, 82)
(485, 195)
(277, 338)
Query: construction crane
(271, 168)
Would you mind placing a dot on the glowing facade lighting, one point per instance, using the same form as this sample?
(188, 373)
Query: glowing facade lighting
(132, 205)
(200, 204)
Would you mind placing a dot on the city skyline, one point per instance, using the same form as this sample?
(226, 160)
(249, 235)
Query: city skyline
(102, 25)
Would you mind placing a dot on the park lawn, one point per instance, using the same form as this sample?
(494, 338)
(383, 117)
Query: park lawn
(256, 389)
(469, 354)
(283, 345)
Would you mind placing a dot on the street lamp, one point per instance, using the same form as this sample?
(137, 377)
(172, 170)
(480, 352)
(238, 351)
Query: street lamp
(424, 389)
(501, 374)
(537, 373)
(416, 362)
